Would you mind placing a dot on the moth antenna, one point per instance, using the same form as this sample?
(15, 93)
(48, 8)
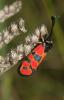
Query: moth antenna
(53, 19)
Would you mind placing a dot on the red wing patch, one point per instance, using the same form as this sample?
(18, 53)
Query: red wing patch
(25, 68)
(34, 64)
(30, 56)
(39, 49)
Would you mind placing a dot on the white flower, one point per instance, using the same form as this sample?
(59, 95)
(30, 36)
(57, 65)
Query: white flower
(12, 9)
(20, 48)
(5, 34)
(10, 37)
(34, 39)
(15, 7)
(37, 32)
(20, 56)
(13, 56)
(14, 29)
(7, 40)
(28, 39)
(7, 59)
(18, 5)
(1, 69)
(6, 65)
(22, 26)
(27, 49)
(23, 29)
(21, 22)
(2, 14)
(6, 10)
(43, 30)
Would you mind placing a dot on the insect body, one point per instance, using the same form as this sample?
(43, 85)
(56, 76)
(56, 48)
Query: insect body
(33, 60)
(38, 54)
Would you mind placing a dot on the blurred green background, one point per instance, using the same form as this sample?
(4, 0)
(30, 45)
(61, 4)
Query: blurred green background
(47, 83)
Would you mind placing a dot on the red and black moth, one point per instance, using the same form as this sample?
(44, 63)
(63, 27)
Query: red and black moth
(32, 61)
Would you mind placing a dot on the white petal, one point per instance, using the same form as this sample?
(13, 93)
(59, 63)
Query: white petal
(8, 39)
(37, 32)
(20, 48)
(22, 25)
(6, 10)
(13, 54)
(23, 29)
(28, 39)
(5, 33)
(27, 49)
(21, 22)
(2, 60)
(2, 14)
(34, 39)
(14, 28)
(11, 9)
(43, 30)
(20, 56)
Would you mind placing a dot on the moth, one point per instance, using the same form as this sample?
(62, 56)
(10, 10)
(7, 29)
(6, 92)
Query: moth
(32, 61)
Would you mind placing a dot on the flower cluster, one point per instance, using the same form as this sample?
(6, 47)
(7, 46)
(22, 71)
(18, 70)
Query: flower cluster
(10, 10)
(4, 64)
(13, 30)
(22, 50)
(35, 37)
